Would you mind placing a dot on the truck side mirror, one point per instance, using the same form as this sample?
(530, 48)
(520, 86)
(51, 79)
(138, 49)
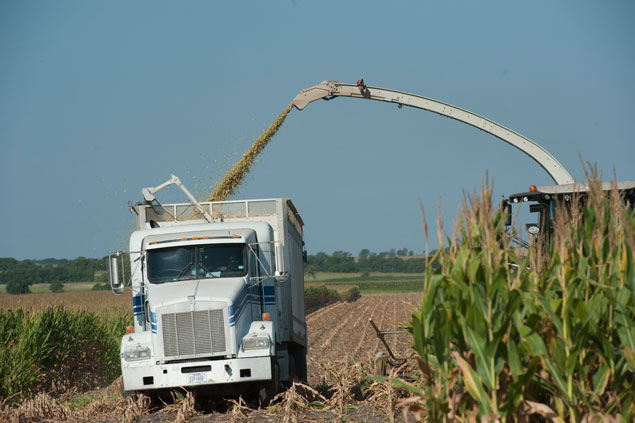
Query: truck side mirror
(116, 273)
(281, 273)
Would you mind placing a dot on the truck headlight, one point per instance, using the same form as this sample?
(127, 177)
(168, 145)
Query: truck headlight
(138, 353)
(255, 343)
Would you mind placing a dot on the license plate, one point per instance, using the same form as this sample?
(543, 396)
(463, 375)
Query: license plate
(197, 378)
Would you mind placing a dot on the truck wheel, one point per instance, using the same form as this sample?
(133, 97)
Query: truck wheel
(269, 389)
(157, 397)
(299, 358)
(292, 375)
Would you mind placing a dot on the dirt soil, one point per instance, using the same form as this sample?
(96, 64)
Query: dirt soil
(340, 334)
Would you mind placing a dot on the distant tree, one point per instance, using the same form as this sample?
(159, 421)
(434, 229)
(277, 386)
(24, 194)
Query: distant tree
(6, 263)
(56, 286)
(101, 276)
(341, 254)
(411, 253)
(342, 261)
(403, 252)
(100, 287)
(365, 253)
(311, 270)
(50, 270)
(18, 286)
(46, 261)
(391, 253)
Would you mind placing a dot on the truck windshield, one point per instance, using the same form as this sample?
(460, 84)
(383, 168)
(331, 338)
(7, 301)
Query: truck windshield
(196, 262)
(552, 207)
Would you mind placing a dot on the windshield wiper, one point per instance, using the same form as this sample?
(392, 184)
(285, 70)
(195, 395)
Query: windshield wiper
(184, 271)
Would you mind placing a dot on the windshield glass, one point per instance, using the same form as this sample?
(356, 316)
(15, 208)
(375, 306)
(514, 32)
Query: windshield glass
(196, 262)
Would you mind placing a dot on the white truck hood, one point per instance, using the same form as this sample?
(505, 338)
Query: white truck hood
(195, 290)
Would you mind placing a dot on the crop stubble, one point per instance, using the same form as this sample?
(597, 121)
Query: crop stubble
(340, 334)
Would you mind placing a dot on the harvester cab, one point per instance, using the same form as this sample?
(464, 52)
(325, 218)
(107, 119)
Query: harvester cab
(546, 200)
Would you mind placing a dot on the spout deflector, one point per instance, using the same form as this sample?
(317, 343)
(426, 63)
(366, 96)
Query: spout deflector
(312, 93)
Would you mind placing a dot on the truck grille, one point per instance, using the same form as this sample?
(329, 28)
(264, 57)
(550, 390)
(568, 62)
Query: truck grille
(193, 333)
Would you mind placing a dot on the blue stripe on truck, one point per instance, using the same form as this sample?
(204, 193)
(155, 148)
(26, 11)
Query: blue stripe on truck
(138, 302)
(244, 298)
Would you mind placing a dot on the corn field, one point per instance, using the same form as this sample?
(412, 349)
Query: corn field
(57, 349)
(545, 337)
(102, 303)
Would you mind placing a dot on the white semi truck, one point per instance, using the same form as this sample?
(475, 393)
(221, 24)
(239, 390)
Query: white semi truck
(217, 293)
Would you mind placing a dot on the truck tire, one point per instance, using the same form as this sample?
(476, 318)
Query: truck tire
(269, 389)
(299, 360)
(292, 375)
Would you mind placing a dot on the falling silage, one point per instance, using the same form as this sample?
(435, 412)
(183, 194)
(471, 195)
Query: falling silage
(234, 177)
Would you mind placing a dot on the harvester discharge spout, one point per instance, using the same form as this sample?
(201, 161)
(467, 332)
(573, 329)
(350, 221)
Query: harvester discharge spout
(328, 90)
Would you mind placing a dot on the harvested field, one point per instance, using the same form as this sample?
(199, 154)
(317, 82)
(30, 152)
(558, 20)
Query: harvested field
(342, 348)
(340, 334)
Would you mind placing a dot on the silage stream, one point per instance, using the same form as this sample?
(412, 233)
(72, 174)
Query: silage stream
(234, 177)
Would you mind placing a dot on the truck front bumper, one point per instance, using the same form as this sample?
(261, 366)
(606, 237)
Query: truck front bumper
(147, 375)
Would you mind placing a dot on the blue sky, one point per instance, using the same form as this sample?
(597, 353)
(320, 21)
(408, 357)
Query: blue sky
(99, 99)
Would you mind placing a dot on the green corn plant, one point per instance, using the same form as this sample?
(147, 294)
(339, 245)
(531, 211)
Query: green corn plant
(459, 331)
(22, 348)
(586, 295)
(502, 337)
(59, 348)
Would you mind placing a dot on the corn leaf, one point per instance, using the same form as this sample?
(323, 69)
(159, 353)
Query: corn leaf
(558, 378)
(554, 319)
(601, 379)
(473, 384)
(477, 345)
(514, 360)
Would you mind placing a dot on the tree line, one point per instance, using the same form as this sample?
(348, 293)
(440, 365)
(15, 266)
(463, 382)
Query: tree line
(19, 274)
(388, 262)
